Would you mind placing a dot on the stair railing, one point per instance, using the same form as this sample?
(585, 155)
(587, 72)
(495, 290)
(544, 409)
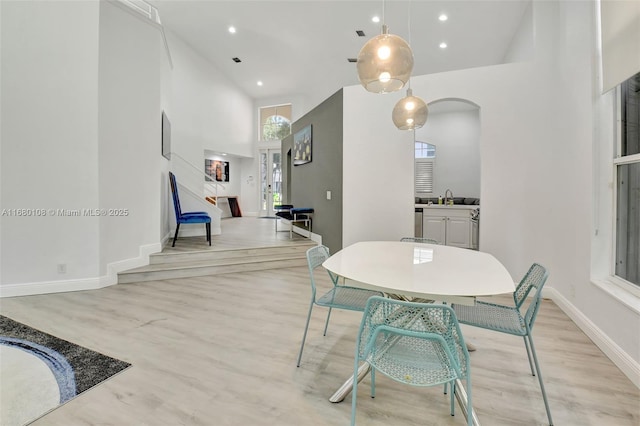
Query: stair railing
(151, 13)
(210, 187)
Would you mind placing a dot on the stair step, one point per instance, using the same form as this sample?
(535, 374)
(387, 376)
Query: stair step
(213, 254)
(211, 262)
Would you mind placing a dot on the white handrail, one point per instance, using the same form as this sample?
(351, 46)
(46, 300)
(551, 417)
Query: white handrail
(150, 12)
(210, 186)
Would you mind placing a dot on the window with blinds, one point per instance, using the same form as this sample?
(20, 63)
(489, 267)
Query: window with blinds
(424, 176)
(425, 154)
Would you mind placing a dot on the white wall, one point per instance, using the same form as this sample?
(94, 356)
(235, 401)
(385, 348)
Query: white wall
(129, 160)
(49, 139)
(208, 113)
(207, 110)
(81, 107)
(456, 135)
(521, 47)
(537, 122)
(377, 169)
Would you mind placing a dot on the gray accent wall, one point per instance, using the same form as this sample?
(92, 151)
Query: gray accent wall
(307, 184)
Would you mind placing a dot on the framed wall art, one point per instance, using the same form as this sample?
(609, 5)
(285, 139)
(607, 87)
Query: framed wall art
(216, 170)
(302, 146)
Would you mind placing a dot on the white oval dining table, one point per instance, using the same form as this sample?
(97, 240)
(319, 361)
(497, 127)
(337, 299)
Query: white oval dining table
(416, 270)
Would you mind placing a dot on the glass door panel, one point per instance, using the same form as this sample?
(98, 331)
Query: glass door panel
(270, 180)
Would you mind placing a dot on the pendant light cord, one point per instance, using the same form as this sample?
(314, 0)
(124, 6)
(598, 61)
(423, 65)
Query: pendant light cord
(409, 26)
(383, 17)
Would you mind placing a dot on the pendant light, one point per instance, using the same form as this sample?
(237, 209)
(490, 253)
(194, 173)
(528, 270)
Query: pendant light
(410, 112)
(385, 62)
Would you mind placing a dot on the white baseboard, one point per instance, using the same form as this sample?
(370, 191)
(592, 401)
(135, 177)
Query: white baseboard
(620, 358)
(307, 234)
(62, 286)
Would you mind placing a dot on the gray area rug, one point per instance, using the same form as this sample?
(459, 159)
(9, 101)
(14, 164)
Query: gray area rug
(28, 355)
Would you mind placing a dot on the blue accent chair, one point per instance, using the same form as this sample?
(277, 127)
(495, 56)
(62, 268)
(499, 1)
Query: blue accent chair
(187, 217)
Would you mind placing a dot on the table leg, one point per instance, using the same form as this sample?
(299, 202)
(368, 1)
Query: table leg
(365, 368)
(347, 386)
(461, 396)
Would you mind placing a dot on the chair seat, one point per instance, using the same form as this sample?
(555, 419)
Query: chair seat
(194, 219)
(285, 215)
(195, 214)
(413, 360)
(350, 298)
(299, 210)
(501, 318)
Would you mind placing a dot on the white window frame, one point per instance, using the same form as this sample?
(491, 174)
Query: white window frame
(617, 161)
(276, 113)
(416, 176)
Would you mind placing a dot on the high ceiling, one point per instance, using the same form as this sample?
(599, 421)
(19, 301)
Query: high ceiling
(301, 47)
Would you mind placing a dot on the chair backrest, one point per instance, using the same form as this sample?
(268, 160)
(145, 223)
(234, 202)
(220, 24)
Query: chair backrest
(534, 279)
(315, 257)
(436, 322)
(174, 194)
(419, 240)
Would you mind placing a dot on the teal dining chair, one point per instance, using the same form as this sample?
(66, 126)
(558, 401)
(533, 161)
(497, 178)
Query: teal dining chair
(509, 320)
(418, 344)
(339, 297)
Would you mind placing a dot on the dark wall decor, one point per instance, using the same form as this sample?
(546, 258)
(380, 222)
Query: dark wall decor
(216, 170)
(166, 137)
(302, 146)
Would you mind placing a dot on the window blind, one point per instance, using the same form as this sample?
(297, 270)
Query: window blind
(424, 176)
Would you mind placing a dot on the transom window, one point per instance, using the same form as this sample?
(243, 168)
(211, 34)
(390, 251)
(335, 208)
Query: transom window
(275, 122)
(425, 150)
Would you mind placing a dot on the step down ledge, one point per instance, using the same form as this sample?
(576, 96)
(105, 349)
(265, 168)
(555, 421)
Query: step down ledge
(175, 273)
(212, 262)
(165, 258)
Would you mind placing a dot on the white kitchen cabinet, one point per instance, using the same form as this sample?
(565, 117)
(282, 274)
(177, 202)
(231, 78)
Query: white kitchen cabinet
(450, 225)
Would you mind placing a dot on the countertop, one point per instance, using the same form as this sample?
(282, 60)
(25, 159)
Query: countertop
(455, 206)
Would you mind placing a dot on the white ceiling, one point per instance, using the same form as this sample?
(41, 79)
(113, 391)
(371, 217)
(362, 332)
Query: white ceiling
(301, 47)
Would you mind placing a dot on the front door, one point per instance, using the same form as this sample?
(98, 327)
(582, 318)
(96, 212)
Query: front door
(270, 180)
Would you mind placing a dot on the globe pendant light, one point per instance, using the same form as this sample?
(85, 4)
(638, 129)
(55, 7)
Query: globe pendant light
(410, 112)
(385, 63)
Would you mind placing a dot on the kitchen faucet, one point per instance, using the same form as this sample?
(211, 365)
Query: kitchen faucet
(448, 195)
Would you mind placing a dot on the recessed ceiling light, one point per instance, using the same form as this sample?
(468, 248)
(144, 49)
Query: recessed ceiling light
(259, 83)
(232, 29)
(375, 19)
(360, 33)
(236, 60)
(443, 17)
(352, 60)
(443, 45)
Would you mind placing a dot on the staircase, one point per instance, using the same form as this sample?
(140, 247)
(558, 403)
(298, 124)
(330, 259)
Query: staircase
(164, 266)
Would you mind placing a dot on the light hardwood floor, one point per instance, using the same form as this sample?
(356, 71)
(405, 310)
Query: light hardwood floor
(239, 233)
(221, 350)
